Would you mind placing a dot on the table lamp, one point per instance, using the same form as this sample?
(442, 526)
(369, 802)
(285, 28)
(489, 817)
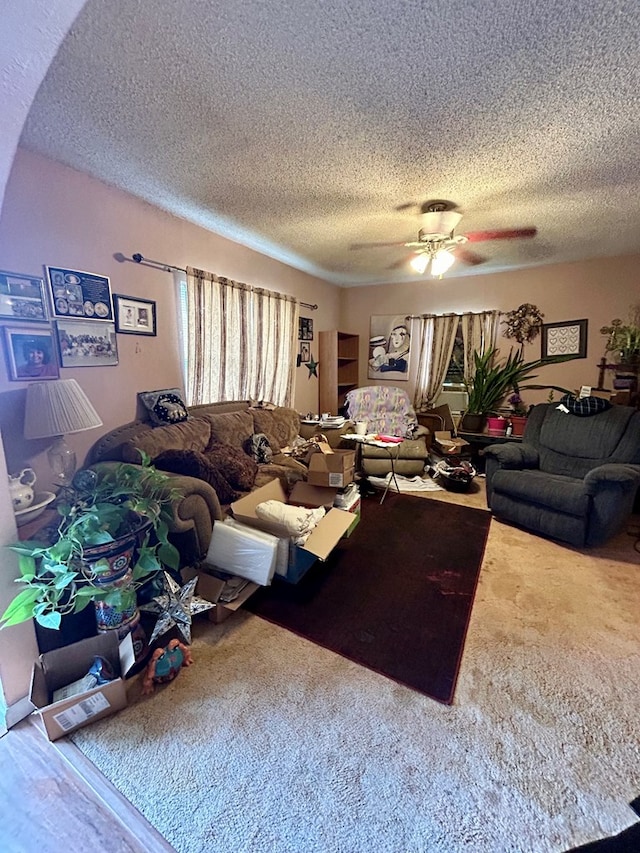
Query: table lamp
(56, 409)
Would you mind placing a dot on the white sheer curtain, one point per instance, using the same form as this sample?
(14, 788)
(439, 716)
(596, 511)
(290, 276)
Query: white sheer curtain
(241, 341)
(437, 334)
(479, 332)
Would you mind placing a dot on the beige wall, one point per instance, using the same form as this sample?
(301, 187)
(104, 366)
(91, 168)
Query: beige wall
(58, 216)
(598, 290)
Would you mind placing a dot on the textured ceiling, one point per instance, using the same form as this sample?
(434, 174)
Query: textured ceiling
(300, 127)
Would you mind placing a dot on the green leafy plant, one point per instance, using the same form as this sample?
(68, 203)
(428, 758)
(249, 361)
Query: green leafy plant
(494, 380)
(103, 505)
(623, 339)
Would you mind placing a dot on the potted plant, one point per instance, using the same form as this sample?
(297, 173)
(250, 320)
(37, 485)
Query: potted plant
(493, 380)
(101, 551)
(624, 339)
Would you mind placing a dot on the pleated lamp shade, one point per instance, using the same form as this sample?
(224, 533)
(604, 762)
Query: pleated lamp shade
(57, 408)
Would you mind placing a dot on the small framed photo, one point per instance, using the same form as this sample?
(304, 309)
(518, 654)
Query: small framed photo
(305, 329)
(83, 295)
(31, 353)
(305, 353)
(83, 344)
(22, 297)
(568, 338)
(134, 316)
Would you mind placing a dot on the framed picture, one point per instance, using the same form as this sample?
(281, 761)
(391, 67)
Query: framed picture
(22, 297)
(305, 329)
(389, 347)
(84, 295)
(134, 316)
(31, 353)
(305, 353)
(83, 344)
(567, 338)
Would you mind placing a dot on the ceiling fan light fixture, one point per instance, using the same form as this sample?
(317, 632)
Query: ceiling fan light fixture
(420, 262)
(441, 262)
(439, 223)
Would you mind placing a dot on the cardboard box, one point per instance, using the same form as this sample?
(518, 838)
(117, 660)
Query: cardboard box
(309, 496)
(210, 587)
(444, 443)
(334, 470)
(300, 557)
(63, 666)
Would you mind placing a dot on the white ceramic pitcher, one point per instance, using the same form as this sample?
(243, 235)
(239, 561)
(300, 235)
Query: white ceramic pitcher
(21, 489)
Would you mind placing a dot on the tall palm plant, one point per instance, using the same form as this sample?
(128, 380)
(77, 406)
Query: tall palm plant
(493, 381)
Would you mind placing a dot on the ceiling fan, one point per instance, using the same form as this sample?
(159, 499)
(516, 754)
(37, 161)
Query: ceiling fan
(437, 246)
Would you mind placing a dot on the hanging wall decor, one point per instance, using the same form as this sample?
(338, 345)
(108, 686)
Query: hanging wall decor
(83, 344)
(30, 353)
(568, 338)
(78, 294)
(22, 297)
(389, 347)
(134, 316)
(305, 329)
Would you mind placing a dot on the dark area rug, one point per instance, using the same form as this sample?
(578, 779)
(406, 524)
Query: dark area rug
(396, 596)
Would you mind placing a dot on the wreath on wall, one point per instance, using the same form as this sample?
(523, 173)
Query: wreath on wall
(523, 323)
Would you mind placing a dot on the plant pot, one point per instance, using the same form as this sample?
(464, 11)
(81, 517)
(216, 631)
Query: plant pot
(497, 426)
(111, 563)
(518, 422)
(472, 422)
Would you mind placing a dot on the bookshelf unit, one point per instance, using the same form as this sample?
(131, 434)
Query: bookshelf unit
(339, 365)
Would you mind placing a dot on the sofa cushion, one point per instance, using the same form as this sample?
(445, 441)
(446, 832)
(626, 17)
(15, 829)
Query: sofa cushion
(192, 463)
(281, 425)
(234, 464)
(164, 407)
(188, 435)
(230, 428)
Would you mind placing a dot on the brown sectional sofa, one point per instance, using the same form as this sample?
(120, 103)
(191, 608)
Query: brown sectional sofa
(212, 444)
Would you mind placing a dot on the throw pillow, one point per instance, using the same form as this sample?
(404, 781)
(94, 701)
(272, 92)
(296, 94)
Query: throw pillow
(258, 448)
(238, 468)
(192, 463)
(586, 407)
(164, 407)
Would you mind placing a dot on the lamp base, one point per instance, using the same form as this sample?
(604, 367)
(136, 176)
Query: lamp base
(62, 460)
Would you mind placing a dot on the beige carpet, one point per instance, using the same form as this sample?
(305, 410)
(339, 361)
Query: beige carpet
(269, 743)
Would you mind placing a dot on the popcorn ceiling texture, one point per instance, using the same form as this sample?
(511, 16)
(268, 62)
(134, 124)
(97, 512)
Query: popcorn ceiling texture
(300, 128)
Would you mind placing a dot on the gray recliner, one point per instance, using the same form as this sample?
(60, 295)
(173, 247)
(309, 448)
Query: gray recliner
(573, 478)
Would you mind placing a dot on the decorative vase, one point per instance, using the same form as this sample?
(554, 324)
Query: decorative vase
(518, 422)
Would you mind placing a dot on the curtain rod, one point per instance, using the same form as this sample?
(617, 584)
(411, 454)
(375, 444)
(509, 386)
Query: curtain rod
(159, 265)
(452, 314)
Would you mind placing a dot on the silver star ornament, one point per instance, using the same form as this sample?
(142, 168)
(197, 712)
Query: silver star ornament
(175, 606)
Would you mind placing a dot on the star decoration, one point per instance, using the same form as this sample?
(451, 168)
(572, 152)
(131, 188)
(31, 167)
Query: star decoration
(176, 606)
(312, 367)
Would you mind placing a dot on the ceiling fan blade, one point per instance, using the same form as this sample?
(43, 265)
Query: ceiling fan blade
(508, 234)
(406, 205)
(467, 257)
(396, 265)
(373, 245)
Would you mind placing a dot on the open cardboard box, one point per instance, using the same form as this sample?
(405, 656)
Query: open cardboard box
(63, 666)
(210, 587)
(318, 546)
(444, 443)
(334, 470)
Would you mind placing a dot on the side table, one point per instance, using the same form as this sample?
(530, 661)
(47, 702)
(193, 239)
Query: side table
(389, 447)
